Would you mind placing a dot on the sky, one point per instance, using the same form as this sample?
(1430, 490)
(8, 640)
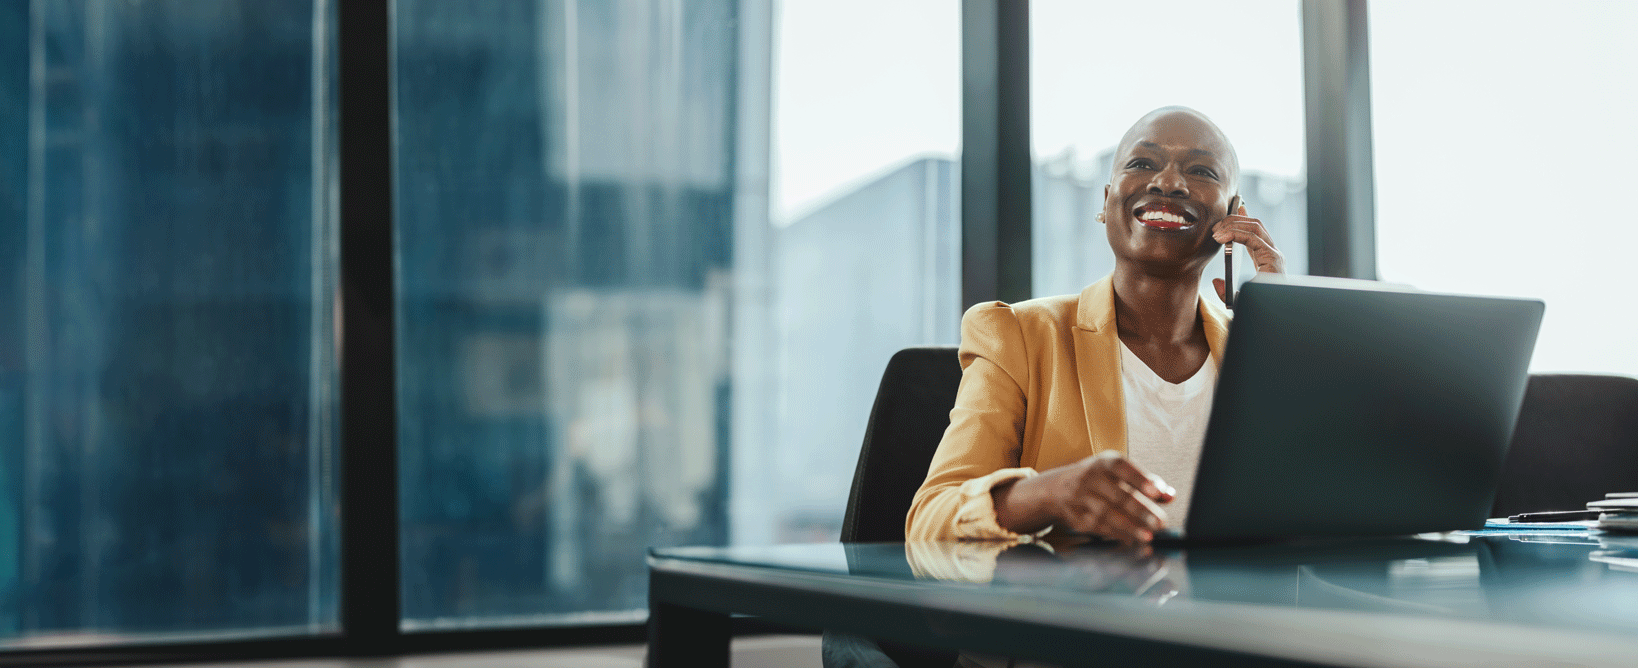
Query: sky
(853, 98)
(1504, 134)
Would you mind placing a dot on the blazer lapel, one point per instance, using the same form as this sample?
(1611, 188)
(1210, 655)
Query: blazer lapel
(1216, 320)
(1097, 363)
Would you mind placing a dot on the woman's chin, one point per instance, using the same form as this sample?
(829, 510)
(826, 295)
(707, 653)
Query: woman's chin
(1168, 261)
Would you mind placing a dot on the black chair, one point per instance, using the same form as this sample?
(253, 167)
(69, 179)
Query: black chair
(906, 423)
(1576, 440)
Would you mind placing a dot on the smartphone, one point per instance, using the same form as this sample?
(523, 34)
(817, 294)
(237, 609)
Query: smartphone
(1228, 261)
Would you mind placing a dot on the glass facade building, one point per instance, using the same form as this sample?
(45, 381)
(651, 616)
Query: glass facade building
(565, 248)
(167, 375)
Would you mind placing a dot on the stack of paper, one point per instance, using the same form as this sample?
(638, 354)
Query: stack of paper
(1619, 511)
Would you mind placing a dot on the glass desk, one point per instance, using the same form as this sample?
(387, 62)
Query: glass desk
(1559, 597)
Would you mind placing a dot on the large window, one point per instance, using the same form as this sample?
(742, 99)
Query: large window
(864, 248)
(167, 352)
(634, 245)
(1096, 67)
(1501, 149)
(631, 241)
(566, 218)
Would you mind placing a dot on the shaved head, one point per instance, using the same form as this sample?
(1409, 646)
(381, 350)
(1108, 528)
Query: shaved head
(1211, 138)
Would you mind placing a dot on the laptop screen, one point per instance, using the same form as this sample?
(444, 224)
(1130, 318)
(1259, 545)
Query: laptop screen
(1358, 408)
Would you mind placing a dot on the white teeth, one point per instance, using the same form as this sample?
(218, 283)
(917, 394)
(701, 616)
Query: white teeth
(1163, 217)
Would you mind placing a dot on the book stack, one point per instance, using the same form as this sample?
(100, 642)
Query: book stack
(1617, 512)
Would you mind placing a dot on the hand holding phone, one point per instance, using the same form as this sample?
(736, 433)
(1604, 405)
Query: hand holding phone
(1257, 245)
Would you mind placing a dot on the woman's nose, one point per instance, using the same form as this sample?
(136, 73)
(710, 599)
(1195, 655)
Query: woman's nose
(1170, 182)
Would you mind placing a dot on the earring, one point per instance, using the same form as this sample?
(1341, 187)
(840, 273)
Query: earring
(1099, 216)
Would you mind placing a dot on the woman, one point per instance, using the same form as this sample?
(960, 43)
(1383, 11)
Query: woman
(1080, 412)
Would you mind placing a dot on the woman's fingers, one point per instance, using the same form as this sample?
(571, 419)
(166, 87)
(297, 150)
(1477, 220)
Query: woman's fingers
(1116, 499)
(1125, 471)
(1137, 506)
(1121, 527)
(1249, 232)
(1099, 515)
(1243, 230)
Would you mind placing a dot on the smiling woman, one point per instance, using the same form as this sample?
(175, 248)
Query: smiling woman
(1084, 413)
(1172, 171)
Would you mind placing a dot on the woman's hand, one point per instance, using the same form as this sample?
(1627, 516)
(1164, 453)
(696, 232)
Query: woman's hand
(1249, 232)
(1104, 495)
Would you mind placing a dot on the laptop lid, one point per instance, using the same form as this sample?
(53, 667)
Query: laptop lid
(1360, 408)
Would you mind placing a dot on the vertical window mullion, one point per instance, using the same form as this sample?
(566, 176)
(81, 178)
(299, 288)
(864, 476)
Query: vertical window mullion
(369, 511)
(995, 152)
(1341, 184)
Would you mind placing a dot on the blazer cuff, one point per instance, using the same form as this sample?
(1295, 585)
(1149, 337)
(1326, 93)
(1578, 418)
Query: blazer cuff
(975, 517)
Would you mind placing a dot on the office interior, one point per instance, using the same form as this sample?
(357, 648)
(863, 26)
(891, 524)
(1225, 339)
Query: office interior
(363, 328)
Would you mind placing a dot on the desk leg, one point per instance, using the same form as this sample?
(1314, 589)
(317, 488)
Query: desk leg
(679, 636)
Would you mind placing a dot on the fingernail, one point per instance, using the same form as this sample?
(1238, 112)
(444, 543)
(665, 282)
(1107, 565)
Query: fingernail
(1145, 536)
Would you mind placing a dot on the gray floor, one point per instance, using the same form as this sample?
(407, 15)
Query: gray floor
(787, 651)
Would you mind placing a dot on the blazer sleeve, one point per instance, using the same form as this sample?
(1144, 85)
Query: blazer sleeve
(982, 445)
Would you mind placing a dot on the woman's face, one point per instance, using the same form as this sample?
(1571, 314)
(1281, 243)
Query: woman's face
(1173, 177)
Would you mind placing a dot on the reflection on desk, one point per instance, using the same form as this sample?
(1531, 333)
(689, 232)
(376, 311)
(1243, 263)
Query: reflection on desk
(1619, 552)
(1552, 596)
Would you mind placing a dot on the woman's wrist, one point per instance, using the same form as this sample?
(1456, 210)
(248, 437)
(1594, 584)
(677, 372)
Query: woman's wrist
(1020, 505)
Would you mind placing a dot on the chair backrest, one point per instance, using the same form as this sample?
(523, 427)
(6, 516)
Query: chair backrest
(911, 412)
(1576, 440)
(907, 421)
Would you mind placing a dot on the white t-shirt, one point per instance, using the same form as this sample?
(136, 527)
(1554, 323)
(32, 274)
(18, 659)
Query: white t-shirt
(1166, 425)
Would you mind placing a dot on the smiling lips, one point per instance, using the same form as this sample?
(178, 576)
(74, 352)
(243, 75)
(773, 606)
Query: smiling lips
(1164, 217)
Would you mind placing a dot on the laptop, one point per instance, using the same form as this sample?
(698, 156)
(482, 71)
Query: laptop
(1357, 408)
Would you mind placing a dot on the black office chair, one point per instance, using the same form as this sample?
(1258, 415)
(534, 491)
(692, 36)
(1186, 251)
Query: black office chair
(1576, 440)
(906, 423)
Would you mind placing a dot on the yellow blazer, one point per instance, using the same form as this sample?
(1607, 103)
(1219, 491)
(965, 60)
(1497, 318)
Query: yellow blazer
(1040, 388)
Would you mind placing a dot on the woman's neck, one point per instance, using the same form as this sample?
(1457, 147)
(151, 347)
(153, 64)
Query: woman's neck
(1162, 310)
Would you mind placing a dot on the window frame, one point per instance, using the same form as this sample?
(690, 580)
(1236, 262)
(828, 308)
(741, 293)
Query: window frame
(995, 264)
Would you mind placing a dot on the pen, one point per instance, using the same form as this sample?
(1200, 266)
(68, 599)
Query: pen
(1555, 516)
